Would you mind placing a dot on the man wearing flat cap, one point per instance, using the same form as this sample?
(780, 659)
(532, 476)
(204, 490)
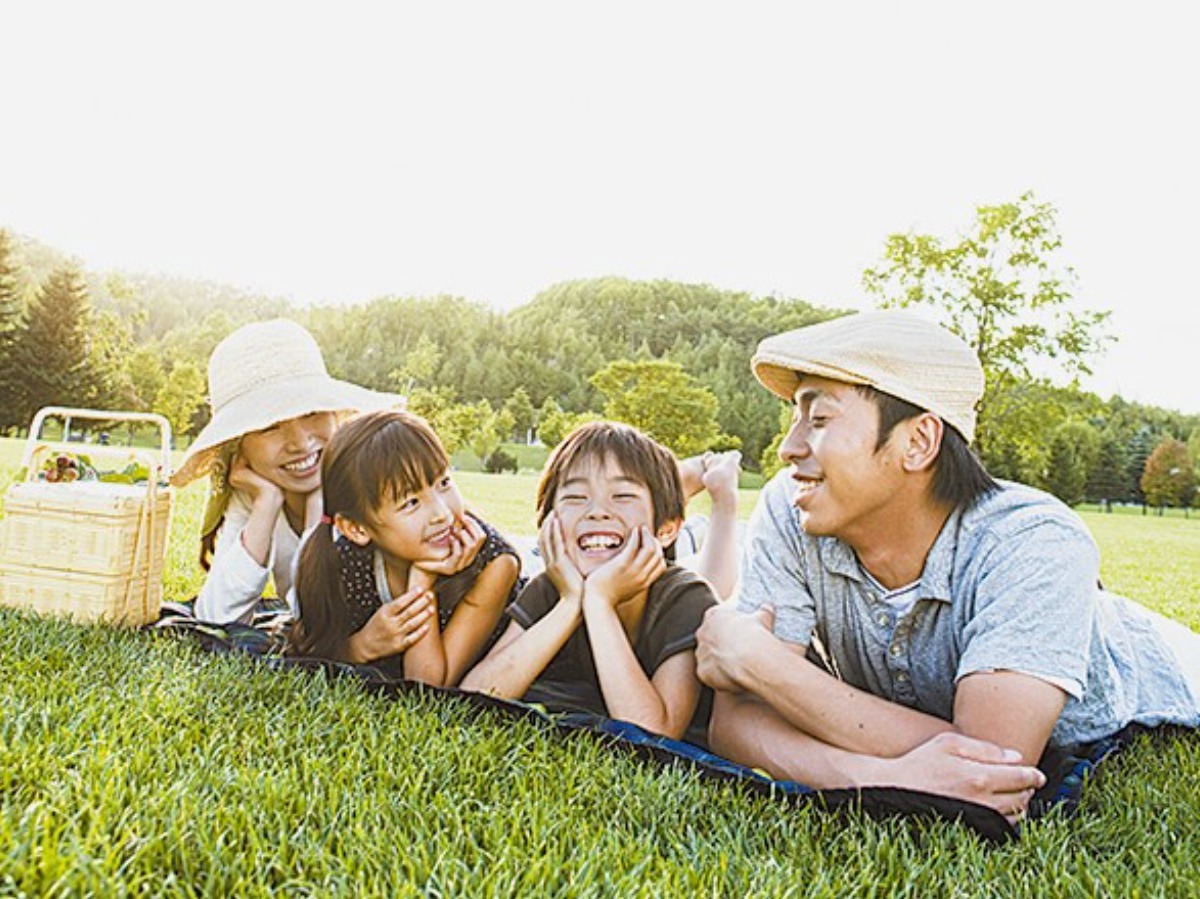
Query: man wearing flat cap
(901, 617)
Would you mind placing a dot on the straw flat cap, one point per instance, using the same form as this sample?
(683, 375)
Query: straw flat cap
(895, 351)
(264, 373)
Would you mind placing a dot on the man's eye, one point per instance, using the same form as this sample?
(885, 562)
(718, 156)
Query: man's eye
(818, 421)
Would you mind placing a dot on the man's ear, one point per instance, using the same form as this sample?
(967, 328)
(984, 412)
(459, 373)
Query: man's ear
(925, 433)
(668, 531)
(354, 531)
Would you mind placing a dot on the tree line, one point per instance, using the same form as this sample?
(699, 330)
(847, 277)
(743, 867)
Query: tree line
(669, 357)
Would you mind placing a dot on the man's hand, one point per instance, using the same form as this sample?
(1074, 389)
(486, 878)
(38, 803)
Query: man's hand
(726, 639)
(394, 628)
(632, 570)
(965, 768)
(564, 574)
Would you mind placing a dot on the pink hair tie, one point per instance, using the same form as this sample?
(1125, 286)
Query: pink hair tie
(326, 519)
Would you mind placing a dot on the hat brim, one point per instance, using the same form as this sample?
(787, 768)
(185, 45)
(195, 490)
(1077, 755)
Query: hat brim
(259, 409)
(782, 376)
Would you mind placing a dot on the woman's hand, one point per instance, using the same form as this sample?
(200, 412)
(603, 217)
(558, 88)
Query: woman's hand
(259, 489)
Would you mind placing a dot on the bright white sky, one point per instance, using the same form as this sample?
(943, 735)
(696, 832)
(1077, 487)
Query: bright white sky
(340, 152)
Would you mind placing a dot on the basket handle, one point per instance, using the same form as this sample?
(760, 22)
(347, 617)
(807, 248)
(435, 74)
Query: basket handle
(66, 414)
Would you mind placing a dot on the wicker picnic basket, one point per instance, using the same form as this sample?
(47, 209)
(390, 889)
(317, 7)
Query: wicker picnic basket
(89, 549)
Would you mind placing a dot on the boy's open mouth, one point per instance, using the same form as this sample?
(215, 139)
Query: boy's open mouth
(601, 542)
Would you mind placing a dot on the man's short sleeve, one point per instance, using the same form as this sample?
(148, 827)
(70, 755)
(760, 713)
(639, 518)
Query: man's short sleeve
(1034, 606)
(772, 567)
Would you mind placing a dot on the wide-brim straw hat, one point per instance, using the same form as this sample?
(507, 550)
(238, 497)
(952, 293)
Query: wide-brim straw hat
(262, 374)
(896, 351)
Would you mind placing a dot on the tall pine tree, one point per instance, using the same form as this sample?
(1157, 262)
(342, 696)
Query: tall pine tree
(10, 331)
(53, 350)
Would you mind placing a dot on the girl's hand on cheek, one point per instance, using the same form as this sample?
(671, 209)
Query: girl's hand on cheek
(564, 574)
(465, 542)
(638, 565)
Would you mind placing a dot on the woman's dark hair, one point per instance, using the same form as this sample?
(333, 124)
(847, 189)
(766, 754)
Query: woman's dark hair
(372, 459)
(959, 478)
(639, 457)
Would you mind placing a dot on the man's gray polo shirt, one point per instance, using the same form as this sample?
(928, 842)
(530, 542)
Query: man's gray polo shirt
(1009, 585)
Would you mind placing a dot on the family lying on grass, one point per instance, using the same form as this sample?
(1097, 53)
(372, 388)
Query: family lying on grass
(898, 618)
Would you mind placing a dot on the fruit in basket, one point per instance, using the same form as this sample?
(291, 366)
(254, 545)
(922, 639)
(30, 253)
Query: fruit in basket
(67, 467)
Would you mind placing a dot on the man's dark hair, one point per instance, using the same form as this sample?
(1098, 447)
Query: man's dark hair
(959, 478)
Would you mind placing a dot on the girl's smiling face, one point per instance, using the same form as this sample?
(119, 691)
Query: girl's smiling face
(288, 454)
(418, 526)
(599, 506)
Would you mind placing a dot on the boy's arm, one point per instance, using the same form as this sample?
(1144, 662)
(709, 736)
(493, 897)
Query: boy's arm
(520, 655)
(663, 704)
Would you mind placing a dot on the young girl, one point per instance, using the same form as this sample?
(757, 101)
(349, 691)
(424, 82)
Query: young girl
(609, 627)
(398, 571)
(274, 408)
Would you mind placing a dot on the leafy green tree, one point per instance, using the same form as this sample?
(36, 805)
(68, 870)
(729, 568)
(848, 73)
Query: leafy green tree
(181, 398)
(55, 348)
(1002, 289)
(1074, 448)
(1141, 445)
(12, 403)
(552, 423)
(420, 363)
(1170, 475)
(520, 408)
(146, 377)
(662, 400)
(1109, 478)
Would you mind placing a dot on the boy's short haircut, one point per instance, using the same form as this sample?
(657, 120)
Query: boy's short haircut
(638, 456)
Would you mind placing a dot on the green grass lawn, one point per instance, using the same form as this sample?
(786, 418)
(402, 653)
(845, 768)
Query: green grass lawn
(134, 765)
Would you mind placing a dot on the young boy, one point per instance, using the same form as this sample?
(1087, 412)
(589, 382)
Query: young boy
(610, 505)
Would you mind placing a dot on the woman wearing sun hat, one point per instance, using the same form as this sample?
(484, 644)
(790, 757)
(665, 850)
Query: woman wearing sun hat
(274, 407)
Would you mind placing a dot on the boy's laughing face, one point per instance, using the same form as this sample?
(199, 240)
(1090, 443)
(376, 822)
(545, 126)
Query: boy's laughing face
(599, 507)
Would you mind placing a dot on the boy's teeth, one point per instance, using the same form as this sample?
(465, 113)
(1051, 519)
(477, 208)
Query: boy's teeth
(599, 541)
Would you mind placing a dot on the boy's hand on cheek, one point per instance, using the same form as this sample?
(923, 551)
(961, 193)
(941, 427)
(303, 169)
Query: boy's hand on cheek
(638, 565)
(564, 574)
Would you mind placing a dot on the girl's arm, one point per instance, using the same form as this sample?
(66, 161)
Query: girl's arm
(475, 617)
(718, 562)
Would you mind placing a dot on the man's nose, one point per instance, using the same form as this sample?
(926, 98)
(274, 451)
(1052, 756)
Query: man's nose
(795, 443)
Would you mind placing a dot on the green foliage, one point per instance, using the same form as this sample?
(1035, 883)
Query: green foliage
(659, 398)
(52, 351)
(1170, 475)
(500, 461)
(520, 408)
(12, 310)
(1109, 481)
(181, 397)
(1074, 449)
(1002, 289)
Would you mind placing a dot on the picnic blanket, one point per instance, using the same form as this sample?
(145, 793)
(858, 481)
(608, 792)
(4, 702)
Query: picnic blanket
(1066, 771)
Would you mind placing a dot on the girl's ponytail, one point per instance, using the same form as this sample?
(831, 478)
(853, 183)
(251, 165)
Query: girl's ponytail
(322, 627)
